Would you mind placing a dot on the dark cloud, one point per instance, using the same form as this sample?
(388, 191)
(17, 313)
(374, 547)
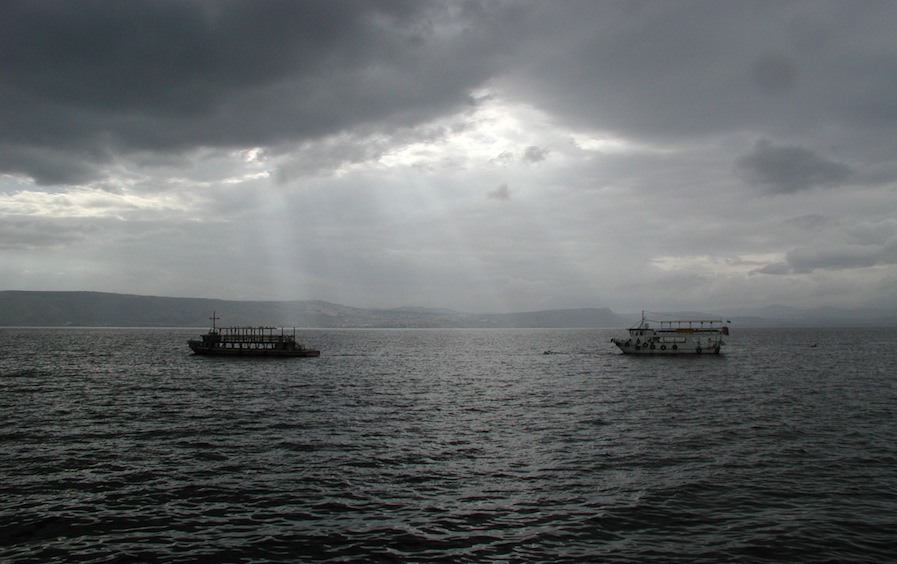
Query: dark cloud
(503, 159)
(95, 78)
(675, 70)
(535, 154)
(782, 169)
(808, 259)
(774, 74)
(774, 268)
(501, 193)
(49, 165)
(82, 83)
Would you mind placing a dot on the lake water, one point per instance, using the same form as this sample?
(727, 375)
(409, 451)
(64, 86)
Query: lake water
(448, 445)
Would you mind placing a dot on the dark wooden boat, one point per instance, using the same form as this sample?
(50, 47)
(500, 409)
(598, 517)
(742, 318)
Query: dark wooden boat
(249, 341)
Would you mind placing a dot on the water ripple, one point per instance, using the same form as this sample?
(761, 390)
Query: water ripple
(398, 446)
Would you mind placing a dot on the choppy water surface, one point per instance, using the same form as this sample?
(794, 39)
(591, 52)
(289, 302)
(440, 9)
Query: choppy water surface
(447, 445)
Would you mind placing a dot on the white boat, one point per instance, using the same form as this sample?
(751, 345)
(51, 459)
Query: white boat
(675, 336)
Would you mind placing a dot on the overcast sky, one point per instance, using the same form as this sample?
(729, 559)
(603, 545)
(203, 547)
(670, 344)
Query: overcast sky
(482, 156)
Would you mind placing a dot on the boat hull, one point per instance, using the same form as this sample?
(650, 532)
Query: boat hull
(629, 347)
(276, 353)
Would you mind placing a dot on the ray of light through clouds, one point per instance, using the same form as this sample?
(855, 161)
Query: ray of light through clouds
(482, 156)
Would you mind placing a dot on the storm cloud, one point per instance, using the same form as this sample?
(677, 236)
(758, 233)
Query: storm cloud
(784, 169)
(83, 82)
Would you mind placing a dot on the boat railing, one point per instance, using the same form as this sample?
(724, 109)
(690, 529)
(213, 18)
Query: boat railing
(681, 325)
(691, 325)
(255, 334)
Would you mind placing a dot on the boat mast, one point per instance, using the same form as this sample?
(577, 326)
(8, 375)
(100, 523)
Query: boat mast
(214, 318)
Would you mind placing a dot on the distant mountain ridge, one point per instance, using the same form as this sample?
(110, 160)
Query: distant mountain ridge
(98, 309)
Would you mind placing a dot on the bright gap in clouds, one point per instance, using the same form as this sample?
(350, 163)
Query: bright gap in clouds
(490, 135)
(495, 208)
(500, 133)
(467, 210)
(92, 202)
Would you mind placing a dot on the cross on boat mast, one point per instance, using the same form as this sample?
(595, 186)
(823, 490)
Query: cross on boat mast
(214, 318)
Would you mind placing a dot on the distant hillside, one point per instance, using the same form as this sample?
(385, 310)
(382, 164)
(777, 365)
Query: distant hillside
(97, 309)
